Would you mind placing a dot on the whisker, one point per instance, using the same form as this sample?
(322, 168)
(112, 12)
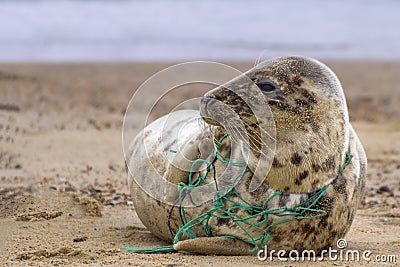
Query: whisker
(259, 57)
(261, 129)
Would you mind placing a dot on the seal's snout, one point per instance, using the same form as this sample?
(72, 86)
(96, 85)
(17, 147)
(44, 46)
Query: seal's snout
(205, 104)
(207, 115)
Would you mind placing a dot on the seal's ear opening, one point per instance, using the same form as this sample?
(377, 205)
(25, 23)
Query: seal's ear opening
(270, 89)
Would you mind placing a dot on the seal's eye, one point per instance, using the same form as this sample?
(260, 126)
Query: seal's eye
(266, 85)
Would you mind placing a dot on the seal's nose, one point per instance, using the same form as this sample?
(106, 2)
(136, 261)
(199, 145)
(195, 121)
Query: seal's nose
(205, 99)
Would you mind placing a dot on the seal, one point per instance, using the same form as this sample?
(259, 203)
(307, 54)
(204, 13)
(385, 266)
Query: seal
(314, 144)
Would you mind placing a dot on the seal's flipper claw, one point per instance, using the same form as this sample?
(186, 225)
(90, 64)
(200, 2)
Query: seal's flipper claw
(214, 245)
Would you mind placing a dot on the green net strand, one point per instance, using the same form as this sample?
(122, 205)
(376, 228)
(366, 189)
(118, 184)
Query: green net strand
(346, 163)
(220, 210)
(158, 250)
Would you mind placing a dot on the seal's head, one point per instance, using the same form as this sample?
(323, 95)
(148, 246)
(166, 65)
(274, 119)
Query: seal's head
(310, 115)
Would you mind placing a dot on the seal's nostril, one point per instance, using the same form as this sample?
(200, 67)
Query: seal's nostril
(205, 99)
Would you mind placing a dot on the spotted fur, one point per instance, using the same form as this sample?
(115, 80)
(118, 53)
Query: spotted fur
(313, 135)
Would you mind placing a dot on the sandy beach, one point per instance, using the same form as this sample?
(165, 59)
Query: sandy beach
(63, 186)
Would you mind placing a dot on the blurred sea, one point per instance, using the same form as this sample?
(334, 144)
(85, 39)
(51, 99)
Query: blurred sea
(147, 30)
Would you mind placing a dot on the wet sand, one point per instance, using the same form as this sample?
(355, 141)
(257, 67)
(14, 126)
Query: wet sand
(62, 176)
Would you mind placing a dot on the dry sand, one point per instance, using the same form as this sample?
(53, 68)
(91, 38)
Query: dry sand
(62, 174)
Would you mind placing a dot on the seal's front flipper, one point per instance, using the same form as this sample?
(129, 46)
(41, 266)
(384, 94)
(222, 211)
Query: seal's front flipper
(214, 245)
